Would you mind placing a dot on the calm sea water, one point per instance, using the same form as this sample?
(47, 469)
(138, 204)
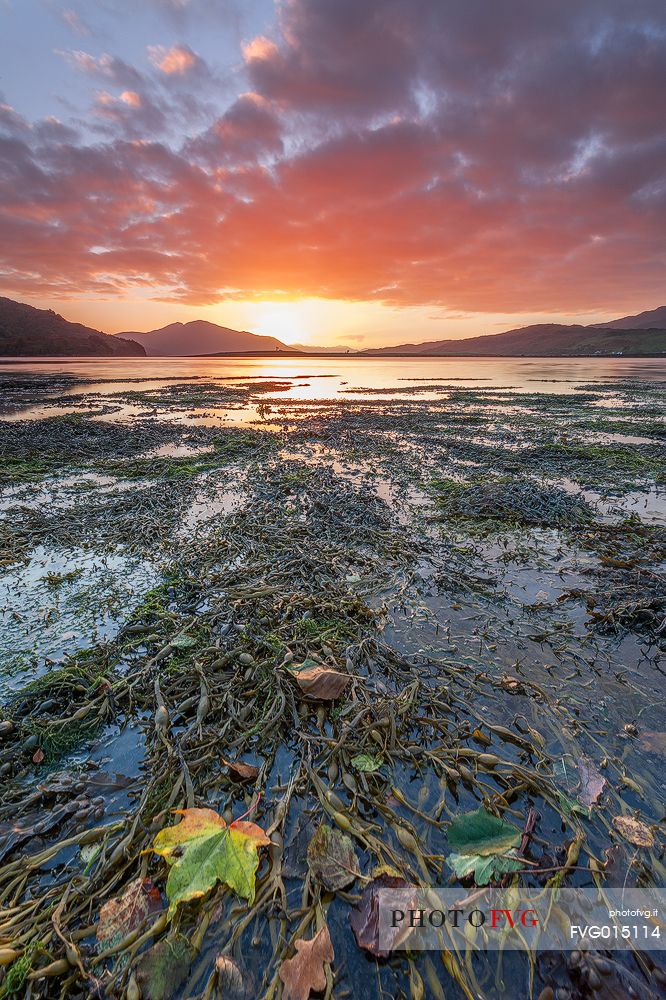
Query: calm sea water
(344, 373)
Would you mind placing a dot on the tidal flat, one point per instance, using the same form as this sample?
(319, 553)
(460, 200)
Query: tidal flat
(347, 614)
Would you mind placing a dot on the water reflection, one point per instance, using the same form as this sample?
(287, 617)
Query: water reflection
(322, 378)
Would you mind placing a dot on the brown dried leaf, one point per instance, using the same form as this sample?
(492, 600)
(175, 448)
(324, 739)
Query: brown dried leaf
(228, 980)
(510, 683)
(240, 771)
(364, 919)
(304, 973)
(125, 913)
(634, 831)
(332, 858)
(592, 783)
(322, 683)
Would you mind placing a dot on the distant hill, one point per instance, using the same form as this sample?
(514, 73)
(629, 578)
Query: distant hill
(542, 340)
(28, 332)
(202, 337)
(652, 319)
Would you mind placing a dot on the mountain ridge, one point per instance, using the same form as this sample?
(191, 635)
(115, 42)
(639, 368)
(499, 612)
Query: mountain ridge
(540, 340)
(649, 320)
(26, 331)
(203, 338)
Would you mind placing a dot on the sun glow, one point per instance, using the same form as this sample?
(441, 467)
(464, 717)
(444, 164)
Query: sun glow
(290, 322)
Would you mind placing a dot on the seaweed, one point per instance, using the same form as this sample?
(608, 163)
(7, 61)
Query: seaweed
(510, 501)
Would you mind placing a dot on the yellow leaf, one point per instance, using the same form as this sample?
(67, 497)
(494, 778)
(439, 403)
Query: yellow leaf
(203, 850)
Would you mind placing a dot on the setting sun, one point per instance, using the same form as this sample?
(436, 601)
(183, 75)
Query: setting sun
(291, 322)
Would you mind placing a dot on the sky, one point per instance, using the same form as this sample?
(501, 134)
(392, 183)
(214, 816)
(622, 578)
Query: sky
(358, 172)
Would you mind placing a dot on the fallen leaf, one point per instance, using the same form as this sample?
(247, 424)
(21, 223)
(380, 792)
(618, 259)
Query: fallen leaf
(126, 912)
(591, 781)
(481, 833)
(484, 869)
(634, 831)
(228, 979)
(203, 850)
(304, 973)
(654, 742)
(321, 683)
(332, 858)
(485, 846)
(510, 683)
(164, 968)
(38, 756)
(364, 918)
(240, 771)
(367, 763)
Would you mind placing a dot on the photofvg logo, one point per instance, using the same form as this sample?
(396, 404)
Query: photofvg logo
(417, 919)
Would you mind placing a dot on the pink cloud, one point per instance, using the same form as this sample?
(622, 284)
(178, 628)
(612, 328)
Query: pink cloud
(259, 49)
(179, 59)
(131, 98)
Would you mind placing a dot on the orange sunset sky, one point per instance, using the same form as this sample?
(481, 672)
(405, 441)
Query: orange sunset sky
(334, 171)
